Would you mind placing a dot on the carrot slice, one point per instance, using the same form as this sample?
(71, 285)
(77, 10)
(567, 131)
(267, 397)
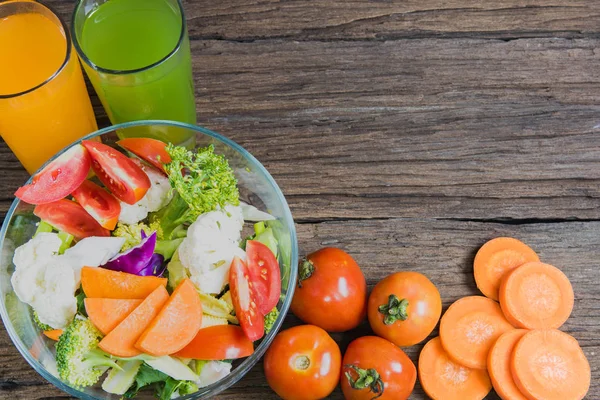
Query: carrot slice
(53, 334)
(443, 379)
(536, 296)
(549, 364)
(497, 257)
(106, 314)
(104, 283)
(498, 365)
(469, 329)
(218, 342)
(121, 340)
(176, 324)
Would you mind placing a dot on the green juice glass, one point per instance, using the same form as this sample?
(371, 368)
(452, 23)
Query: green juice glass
(136, 53)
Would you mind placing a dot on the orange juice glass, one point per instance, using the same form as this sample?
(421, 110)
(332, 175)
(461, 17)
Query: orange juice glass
(44, 104)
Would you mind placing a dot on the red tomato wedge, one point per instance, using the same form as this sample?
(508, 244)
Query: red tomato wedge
(244, 298)
(70, 217)
(152, 151)
(58, 179)
(128, 182)
(100, 204)
(227, 342)
(265, 273)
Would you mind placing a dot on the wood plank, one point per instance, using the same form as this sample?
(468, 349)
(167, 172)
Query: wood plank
(443, 250)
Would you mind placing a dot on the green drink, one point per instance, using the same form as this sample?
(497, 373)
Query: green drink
(137, 56)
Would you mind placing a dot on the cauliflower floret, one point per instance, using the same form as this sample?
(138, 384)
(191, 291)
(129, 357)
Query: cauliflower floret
(92, 251)
(212, 372)
(156, 198)
(211, 243)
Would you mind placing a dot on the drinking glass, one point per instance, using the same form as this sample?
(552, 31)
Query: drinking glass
(44, 104)
(137, 56)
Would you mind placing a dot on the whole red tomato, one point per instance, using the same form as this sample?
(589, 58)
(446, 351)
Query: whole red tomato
(331, 292)
(404, 308)
(303, 363)
(375, 368)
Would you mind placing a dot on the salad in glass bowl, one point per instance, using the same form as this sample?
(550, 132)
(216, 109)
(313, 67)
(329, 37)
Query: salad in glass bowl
(137, 267)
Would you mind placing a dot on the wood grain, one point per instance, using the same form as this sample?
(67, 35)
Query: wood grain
(406, 132)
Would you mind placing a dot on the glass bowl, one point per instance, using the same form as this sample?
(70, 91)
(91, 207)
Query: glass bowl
(256, 187)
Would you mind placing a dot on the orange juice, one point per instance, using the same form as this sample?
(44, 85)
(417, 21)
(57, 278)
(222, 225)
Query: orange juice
(44, 104)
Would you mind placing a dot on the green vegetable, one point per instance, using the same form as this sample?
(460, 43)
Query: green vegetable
(284, 256)
(172, 386)
(133, 233)
(80, 296)
(209, 183)
(171, 366)
(177, 272)
(66, 240)
(118, 381)
(39, 324)
(146, 376)
(43, 227)
(270, 319)
(22, 228)
(167, 248)
(78, 359)
(264, 234)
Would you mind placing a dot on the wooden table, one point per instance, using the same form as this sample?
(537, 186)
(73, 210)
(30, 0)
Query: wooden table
(407, 133)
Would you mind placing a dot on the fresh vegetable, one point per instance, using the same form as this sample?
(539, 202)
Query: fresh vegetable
(132, 233)
(331, 292)
(470, 327)
(498, 365)
(443, 379)
(57, 179)
(146, 376)
(104, 283)
(536, 296)
(265, 275)
(550, 365)
(119, 380)
(209, 320)
(136, 258)
(253, 214)
(303, 363)
(39, 324)
(375, 368)
(150, 150)
(244, 296)
(217, 307)
(209, 183)
(175, 325)
(128, 182)
(212, 371)
(174, 388)
(404, 308)
(106, 314)
(264, 234)
(70, 217)
(226, 342)
(53, 334)
(121, 340)
(497, 257)
(155, 267)
(270, 319)
(172, 367)
(99, 203)
(66, 239)
(78, 359)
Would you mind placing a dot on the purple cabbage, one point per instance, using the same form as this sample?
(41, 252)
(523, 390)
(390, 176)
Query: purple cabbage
(139, 260)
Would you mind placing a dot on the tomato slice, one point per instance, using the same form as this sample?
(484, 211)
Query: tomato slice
(243, 296)
(118, 173)
(152, 151)
(227, 342)
(100, 204)
(265, 273)
(70, 217)
(59, 178)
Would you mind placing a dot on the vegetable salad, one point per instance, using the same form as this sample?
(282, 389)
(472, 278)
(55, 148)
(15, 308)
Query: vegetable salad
(141, 273)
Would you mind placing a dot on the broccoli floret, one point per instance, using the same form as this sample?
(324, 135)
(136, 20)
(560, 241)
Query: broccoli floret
(133, 233)
(78, 359)
(39, 323)
(208, 183)
(270, 319)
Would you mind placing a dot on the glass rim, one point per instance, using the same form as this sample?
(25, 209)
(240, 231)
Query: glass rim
(67, 38)
(96, 67)
(249, 362)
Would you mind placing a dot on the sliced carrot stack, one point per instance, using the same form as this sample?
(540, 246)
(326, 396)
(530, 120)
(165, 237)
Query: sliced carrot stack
(120, 341)
(104, 283)
(176, 324)
(499, 365)
(497, 257)
(469, 329)
(536, 296)
(550, 365)
(106, 314)
(444, 379)
(218, 342)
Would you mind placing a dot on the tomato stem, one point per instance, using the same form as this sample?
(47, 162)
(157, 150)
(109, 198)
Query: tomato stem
(306, 270)
(394, 310)
(302, 363)
(367, 378)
